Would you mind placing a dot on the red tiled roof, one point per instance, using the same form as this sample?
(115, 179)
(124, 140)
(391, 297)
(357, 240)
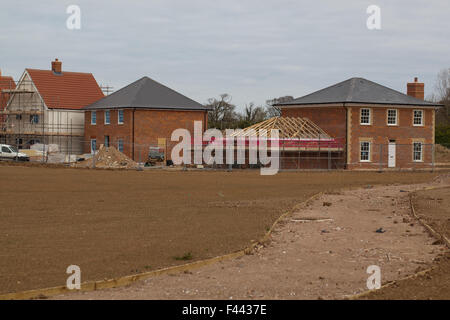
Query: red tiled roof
(5, 83)
(68, 90)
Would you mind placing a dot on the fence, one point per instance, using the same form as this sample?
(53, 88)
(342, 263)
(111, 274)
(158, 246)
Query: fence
(292, 155)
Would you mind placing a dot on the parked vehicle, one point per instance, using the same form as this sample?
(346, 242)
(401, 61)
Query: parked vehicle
(155, 155)
(8, 152)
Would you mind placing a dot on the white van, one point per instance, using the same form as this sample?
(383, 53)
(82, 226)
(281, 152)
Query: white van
(8, 152)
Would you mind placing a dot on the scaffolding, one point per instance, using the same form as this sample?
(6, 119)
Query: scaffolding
(25, 120)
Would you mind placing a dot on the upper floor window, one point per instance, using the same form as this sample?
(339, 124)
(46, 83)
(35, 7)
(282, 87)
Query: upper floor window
(107, 117)
(418, 117)
(392, 117)
(120, 117)
(93, 117)
(365, 116)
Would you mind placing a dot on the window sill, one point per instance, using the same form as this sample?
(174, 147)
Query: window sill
(365, 124)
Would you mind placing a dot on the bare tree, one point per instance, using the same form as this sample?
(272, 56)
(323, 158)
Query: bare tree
(252, 114)
(442, 95)
(223, 113)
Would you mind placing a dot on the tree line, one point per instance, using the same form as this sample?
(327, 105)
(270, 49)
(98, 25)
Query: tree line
(223, 114)
(442, 96)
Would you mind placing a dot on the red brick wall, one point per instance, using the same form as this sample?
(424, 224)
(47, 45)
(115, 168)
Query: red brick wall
(331, 119)
(404, 133)
(149, 125)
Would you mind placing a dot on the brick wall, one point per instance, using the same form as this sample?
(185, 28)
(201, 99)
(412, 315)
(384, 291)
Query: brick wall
(378, 132)
(330, 119)
(149, 126)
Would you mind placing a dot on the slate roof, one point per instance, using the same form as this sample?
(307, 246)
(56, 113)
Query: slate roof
(358, 90)
(146, 93)
(66, 90)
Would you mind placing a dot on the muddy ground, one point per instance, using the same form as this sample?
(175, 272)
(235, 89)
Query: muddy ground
(320, 251)
(434, 207)
(116, 223)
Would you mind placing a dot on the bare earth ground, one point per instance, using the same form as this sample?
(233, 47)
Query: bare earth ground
(434, 207)
(116, 223)
(321, 251)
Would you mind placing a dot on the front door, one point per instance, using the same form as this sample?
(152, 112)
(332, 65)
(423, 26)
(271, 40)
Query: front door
(391, 154)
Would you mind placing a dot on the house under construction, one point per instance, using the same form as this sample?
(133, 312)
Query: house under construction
(45, 107)
(302, 144)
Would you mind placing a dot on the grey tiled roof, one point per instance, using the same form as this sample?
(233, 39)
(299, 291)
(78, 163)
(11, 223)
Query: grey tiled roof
(146, 93)
(358, 90)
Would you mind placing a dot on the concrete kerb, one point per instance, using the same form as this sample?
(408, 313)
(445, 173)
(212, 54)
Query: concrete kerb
(432, 233)
(123, 281)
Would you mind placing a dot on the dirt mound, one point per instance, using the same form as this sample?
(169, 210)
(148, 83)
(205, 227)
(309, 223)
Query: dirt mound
(109, 157)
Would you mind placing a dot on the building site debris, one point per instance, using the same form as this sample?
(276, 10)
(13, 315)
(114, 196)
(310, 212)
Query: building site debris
(108, 157)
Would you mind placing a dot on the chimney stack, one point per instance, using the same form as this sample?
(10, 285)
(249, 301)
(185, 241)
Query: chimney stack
(416, 89)
(57, 66)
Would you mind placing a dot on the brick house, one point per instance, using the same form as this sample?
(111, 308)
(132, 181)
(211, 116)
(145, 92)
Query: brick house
(381, 127)
(140, 115)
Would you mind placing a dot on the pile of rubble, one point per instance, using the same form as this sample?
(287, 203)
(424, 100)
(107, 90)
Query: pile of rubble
(109, 157)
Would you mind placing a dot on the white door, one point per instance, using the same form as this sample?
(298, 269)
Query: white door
(391, 155)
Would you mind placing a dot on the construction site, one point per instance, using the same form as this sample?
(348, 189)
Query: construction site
(27, 122)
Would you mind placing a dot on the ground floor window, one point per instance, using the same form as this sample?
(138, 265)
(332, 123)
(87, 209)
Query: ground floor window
(120, 145)
(106, 141)
(93, 145)
(417, 151)
(365, 151)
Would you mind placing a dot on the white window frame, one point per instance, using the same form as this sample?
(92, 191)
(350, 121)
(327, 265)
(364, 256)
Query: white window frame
(368, 151)
(118, 116)
(92, 117)
(414, 151)
(119, 142)
(369, 117)
(396, 117)
(422, 118)
(109, 120)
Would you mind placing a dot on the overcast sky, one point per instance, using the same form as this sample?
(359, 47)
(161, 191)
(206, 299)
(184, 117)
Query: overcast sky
(253, 50)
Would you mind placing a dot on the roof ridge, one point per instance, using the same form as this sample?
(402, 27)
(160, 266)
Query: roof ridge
(32, 69)
(333, 85)
(350, 89)
(163, 85)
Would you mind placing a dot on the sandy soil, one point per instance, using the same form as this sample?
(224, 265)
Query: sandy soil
(321, 251)
(117, 223)
(434, 207)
